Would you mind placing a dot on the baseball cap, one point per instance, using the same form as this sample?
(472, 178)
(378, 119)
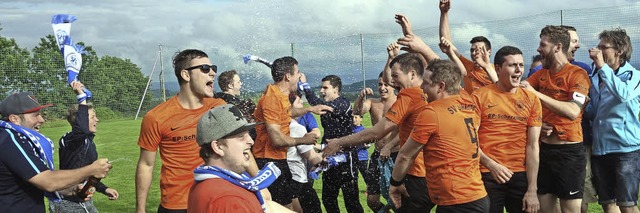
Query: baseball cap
(220, 122)
(20, 103)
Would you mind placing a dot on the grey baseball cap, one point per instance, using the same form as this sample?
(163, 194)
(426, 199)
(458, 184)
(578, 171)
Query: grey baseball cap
(220, 122)
(20, 103)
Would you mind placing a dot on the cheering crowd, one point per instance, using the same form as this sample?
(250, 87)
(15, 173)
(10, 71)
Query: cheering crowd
(458, 135)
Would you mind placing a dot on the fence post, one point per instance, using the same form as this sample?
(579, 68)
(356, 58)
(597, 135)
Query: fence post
(364, 80)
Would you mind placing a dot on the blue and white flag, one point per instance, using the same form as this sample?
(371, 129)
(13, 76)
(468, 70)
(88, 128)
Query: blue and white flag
(72, 53)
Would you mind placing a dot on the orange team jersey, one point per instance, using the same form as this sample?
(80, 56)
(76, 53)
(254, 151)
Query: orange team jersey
(172, 128)
(404, 112)
(273, 108)
(571, 83)
(505, 118)
(226, 197)
(447, 128)
(476, 76)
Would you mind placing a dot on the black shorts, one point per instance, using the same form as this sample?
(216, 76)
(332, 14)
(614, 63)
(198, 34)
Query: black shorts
(562, 170)
(296, 188)
(418, 200)
(281, 190)
(507, 195)
(480, 205)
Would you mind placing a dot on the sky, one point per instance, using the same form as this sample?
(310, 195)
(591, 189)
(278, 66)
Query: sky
(228, 29)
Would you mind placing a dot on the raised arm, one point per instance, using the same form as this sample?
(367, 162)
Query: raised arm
(483, 59)
(412, 42)
(445, 31)
(623, 90)
(447, 47)
(392, 51)
(362, 105)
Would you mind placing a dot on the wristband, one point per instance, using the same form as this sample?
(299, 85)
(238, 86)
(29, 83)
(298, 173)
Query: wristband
(302, 86)
(394, 182)
(81, 97)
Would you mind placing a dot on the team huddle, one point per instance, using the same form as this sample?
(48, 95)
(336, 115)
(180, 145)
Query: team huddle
(458, 135)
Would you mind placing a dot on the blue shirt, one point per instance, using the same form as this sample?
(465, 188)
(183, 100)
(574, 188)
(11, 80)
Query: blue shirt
(337, 123)
(308, 121)
(19, 162)
(615, 110)
(582, 65)
(363, 153)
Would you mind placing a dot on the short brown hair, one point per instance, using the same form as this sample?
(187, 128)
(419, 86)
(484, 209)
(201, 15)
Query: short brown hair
(620, 41)
(557, 34)
(225, 79)
(182, 61)
(448, 72)
(72, 113)
(409, 61)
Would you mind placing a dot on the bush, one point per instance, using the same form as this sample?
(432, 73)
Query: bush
(105, 113)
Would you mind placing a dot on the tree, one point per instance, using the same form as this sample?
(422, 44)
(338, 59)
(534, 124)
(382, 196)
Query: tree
(13, 65)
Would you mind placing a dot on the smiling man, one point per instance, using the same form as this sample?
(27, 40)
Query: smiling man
(171, 128)
(562, 89)
(26, 159)
(510, 121)
(337, 124)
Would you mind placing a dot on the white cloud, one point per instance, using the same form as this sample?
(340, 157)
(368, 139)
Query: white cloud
(228, 29)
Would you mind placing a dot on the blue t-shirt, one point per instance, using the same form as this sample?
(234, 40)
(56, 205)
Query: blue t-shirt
(19, 163)
(308, 121)
(363, 153)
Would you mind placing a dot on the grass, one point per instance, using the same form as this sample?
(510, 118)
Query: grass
(117, 140)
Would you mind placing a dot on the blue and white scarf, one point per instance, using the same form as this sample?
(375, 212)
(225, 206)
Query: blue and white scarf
(264, 179)
(72, 53)
(43, 145)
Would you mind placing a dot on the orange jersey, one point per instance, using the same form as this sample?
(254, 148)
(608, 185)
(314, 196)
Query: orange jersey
(476, 76)
(172, 128)
(447, 128)
(273, 108)
(404, 112)
(563, 86)
(505, 118)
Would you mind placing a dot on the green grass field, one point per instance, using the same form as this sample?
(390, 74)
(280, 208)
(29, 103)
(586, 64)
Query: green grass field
(117, 140)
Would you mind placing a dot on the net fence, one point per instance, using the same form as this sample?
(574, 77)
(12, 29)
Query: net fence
(121, 84)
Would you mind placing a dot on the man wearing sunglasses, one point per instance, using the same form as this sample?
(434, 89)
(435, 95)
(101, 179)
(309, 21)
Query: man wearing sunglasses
(170, 128)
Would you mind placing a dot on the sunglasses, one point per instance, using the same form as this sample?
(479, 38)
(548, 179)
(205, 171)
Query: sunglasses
(205, 68)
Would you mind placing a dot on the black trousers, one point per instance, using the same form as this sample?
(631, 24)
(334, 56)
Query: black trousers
(345, 177)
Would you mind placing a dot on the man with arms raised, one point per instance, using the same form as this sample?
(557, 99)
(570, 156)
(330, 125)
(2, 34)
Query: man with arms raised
(445, 133)
(508, 135)
(386, 147)
(479, 70)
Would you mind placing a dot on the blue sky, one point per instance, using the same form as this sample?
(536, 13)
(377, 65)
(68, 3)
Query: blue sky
(228, 29)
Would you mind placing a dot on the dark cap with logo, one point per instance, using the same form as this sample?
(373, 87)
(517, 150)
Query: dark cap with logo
(20, 103)
(220, 122)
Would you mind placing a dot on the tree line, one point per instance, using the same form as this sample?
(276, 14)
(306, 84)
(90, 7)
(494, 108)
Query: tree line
(117, 84)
